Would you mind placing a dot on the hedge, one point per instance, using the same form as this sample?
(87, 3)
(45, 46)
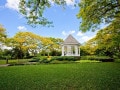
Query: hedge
(98, 58)
(68, 58)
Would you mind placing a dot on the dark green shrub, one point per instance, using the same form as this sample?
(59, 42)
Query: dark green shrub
(56, 58)
(117, 60)
(60, 58)
(35, 59)
(68, 58)
(98, 58)
(44, 60)
(61, 62)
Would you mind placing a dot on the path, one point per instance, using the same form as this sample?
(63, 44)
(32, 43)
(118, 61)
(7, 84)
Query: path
(4, 65)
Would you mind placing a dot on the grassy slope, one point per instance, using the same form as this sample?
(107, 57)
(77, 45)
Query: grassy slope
(81, 76)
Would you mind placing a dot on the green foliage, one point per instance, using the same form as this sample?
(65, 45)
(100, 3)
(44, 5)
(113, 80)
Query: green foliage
(61, 62)
(5, 54)
(30, 44)
(3, 35)
(108, 40)
(88, 61)
(41, 59)
(105, 43)
(117, 60)
(35, 59)
(33, 10)
(17, 53)
(94, 12)
(68, 58)
(81, 76)
(55, 53)
(98, 58)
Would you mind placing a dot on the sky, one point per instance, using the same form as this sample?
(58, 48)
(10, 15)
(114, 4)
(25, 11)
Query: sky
(64, 20)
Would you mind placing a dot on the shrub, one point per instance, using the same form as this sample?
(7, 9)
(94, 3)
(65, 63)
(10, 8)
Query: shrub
(68, 58)
(117, 60)
(44, 60)
(61, 62)
(98, 58)
(35, 59)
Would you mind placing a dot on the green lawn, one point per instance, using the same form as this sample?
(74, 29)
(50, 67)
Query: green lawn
(14, 61)
(76, 76)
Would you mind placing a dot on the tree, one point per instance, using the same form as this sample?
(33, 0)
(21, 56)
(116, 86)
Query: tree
(89, 47)
(55, 47)
(107, 40)
(95, 12)
(3, 38)
(28, 42)
(2, 33)
(33, 10)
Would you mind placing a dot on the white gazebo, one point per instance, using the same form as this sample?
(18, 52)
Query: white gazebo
(70, 47)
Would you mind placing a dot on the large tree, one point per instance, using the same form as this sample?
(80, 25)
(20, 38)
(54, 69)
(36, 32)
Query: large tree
(92, 12)
(95, 12)
(29, 42)
(55, 48)
(33, 10)
(3, 37)
(108, 39)
(3, 34)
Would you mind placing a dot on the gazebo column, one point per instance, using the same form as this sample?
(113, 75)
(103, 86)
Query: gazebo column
(63, 50)
(76, 51)
(79, 51)
(68, 50)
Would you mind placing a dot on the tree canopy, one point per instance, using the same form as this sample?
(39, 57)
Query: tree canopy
(92, 12)
(106, 42)
(3, 34)
(95, 12)
(33, 10)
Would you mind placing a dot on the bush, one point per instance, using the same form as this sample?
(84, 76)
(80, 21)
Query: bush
(68, 58)
(61, 62)
(117, 60)
(41, 59)
(44, 60)
(98, 58)
(35, 59)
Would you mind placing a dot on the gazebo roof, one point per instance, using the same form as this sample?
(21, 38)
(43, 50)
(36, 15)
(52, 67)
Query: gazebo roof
(70, 40)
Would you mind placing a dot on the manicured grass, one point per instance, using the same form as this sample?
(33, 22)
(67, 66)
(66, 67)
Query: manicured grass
(14, 61)
(76, 76)
(2, 62)
(88, 61)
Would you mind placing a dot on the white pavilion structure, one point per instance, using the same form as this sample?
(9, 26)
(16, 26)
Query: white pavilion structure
(70, 47)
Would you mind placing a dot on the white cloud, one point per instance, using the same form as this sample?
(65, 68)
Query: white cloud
(86, 38)
(80, 34)
(64, 33)
(52, 2)
(81, 37)
(13, 4)
(70, 2)
(71, 32)
(67, 33)
(21, 28)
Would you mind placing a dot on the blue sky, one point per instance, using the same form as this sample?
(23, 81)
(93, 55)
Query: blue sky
(64, 20)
